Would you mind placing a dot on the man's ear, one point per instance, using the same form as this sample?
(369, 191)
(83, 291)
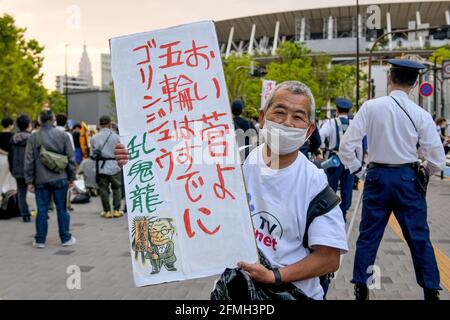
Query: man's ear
(311, 129)
(415, 85)
(261, 118)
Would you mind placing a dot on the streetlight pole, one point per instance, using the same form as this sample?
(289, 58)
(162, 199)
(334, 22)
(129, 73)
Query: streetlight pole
(357, 55)
(66, 82)
(435, 87)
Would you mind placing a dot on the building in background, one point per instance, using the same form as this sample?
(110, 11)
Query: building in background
(74, 84)
(334, 31)
(105, 59)
(89, 106)
(82, 82)
(85, 69)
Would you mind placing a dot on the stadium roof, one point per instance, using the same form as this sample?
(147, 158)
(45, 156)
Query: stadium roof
(432, 12)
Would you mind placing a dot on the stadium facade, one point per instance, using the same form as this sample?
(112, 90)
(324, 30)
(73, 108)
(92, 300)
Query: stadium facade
(334, 30)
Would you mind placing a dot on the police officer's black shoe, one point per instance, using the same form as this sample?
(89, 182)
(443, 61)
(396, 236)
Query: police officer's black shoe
(431, 295)
(361, 292)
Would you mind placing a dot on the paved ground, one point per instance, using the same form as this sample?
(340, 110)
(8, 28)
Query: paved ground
(103, 256)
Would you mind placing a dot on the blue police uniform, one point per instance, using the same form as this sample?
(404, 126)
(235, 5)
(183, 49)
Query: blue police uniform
(333, 131)
(395, 128)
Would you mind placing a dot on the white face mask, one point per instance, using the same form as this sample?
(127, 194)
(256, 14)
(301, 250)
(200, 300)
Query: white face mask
(281, 139)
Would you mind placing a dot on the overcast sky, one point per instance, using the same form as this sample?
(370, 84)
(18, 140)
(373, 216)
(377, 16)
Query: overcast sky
(53, 22)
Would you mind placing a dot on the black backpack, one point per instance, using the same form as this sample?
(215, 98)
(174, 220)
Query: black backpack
(9, 206)
(322, 203)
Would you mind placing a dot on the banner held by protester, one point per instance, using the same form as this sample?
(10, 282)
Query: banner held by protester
(187, 206)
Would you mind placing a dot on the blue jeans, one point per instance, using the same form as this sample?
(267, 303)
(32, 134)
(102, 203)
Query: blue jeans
(343, 177)
(58, 189)
(394, 190)
(22, 197)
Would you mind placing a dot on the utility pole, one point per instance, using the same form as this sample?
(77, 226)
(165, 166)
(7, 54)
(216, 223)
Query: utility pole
(435, 87)
(420, 96)
(441, 112)
(66, 89)
(357, 55)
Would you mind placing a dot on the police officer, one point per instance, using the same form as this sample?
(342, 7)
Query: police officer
(333, 130)
(396, 127)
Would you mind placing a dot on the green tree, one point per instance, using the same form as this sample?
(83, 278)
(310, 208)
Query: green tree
(442, 53)
(327, 81)
(56, 101)
(294, 64)
(21, 88)
(241, 85)
(342, 81)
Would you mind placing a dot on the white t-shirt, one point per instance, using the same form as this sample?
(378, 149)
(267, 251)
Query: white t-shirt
(279, 201)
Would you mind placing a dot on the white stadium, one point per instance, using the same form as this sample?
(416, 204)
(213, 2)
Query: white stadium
(335, 30)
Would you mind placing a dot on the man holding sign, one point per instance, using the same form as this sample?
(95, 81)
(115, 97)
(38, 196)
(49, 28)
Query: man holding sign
(282, 183)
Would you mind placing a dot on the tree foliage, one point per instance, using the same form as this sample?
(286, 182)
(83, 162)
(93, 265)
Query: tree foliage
(21, 88)
(442, 53)
(326, 81)
(56, 101)
(241, 85)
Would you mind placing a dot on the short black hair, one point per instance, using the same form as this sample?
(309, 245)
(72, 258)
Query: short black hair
(105, 120)
(404, 77)
(6, 122)
(23, 122)
(46, 116)
(340, 110)
(76, 126)
(61, 119)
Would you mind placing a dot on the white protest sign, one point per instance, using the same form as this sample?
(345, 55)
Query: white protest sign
(267, 88)
(187, 205)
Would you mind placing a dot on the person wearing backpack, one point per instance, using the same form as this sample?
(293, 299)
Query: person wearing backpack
(50, 170)
(332, 131)
(107, 171)
(301, 241)
(16, 159)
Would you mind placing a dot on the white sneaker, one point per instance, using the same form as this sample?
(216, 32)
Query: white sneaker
(38, 245)
(70, 242)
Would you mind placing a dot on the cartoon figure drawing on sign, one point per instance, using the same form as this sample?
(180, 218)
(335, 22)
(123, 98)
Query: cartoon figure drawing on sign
(162, 247)
(153, 238)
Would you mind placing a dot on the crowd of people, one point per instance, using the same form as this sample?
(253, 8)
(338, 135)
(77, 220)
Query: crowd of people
(47, 158)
